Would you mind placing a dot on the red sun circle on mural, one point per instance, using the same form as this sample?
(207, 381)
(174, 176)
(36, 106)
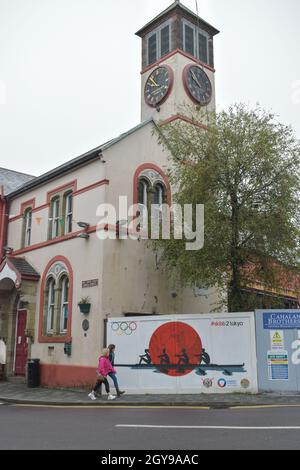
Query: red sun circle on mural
(175, 343)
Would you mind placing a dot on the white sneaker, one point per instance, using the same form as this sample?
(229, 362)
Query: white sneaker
(92, 396)
(111, 397)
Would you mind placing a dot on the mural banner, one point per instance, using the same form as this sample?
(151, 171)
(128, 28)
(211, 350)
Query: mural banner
(212, 353)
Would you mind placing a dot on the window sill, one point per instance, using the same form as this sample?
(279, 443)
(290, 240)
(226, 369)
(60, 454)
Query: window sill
(55, 338)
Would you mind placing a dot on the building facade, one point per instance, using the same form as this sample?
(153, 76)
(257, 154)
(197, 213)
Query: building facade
(52, 245)
(52, 257)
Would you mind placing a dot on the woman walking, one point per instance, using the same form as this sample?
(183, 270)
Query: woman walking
(104, 368)
(112, 375)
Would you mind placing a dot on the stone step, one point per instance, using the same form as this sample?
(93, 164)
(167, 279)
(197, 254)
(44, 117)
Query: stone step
(16, 379)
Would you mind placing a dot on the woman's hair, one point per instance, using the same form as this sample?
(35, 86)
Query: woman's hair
(111, 347)
(105, 352)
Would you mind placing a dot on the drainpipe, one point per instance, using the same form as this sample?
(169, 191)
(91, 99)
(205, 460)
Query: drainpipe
(3, 222)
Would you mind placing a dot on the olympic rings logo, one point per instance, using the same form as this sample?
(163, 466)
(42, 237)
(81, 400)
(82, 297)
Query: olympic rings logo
(121, 328)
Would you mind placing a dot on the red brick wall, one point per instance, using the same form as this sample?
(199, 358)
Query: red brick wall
(65, 376)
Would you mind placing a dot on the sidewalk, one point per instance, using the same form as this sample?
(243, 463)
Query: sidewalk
(21, 394)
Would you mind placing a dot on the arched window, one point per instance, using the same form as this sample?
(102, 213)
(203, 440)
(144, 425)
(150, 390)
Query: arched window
(143, 190)
(151, 192)
(50, 296)
(57, 301)
(151, 188)
(159, 194)
(64, 304)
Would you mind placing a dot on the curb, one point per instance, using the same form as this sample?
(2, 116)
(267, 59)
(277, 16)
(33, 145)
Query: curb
(116, 404)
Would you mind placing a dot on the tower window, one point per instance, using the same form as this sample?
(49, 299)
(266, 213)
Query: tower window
(211, 52)
(202, 43)
(159, 43)
(198, 43)
(152, 49)
(189, 40)
(165, 40)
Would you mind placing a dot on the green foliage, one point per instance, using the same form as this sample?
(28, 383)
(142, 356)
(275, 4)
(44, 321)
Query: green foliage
(245, 170)
(84, 301)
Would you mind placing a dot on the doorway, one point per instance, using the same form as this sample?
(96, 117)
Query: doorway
(21, 344)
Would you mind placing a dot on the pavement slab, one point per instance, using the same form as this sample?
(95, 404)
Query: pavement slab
(22, 394)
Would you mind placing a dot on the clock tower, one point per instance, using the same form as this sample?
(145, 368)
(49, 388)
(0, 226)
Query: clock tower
(177, 63)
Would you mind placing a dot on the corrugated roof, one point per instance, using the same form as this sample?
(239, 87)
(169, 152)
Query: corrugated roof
(12, 180)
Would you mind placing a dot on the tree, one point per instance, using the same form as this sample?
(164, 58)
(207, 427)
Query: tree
(244, 168)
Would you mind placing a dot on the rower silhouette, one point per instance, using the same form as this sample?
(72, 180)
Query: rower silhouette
(183, 360)
(203, 357)
(164, 361)
(146, 358)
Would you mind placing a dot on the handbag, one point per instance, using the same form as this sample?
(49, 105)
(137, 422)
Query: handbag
(99, 376)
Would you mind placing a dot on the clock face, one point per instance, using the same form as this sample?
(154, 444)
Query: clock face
(158, 86)
(197, 84)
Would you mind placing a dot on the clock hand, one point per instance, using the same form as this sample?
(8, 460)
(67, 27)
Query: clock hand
(153, 81)
(195, 79)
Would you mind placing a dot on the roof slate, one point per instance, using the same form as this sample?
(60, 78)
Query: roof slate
(24, 268)
(12, 180)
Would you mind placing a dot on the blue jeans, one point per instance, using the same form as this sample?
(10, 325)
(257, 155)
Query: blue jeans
(115, 380)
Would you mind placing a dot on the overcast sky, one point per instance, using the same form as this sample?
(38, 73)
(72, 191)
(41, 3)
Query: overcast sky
(70, 69)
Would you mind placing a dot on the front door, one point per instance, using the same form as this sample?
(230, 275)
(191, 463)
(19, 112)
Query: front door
(21, 344)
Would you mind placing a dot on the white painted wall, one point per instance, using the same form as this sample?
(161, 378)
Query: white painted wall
(228, 339)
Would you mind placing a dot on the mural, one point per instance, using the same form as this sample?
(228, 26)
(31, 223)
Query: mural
(182, 353)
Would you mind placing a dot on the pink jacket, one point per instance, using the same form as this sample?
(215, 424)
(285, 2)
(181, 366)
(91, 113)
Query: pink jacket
(105, 367)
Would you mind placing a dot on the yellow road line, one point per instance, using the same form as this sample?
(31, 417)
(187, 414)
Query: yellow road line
(257, 407)
(103, 407)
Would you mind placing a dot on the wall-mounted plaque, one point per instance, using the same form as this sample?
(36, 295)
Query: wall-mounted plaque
(90, 283)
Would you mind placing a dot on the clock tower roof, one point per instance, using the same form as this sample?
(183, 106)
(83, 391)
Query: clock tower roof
(176, 8)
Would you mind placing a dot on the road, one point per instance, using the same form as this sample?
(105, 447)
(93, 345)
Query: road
(27, 427)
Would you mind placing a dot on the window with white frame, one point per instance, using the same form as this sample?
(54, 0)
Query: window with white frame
(68, 205)
(143, 189)
(57, 300)
(64, 305)
(27, 227)
(159, 194)
(61, 215)
(55, 217)
(158, 43)
(198, 43)
(50, 305)
(152, 194)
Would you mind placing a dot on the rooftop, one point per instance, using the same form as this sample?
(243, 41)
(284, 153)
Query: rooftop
(180, 8)
(12, 180)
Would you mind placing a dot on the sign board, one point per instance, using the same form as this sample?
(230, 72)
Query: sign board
(283, 320)
(90, 283)
(278, 365)
(278, 350)
(212, 353)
